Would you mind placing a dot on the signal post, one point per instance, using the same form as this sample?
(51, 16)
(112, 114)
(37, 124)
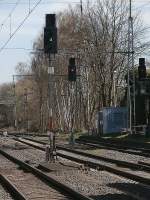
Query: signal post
(50, 47)
(72, 80)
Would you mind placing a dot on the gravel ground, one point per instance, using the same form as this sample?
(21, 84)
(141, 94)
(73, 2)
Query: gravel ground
(28, 184)
(137, 172)
(113, 154)
(33, 188)
(102, 185)
(96, 184)
(58, 140)
(118, 155)
(34, 157)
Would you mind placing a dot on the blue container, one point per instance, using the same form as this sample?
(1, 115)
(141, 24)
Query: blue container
(112, 120)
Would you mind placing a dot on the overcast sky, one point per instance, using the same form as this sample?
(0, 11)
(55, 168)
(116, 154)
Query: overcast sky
(25, 37)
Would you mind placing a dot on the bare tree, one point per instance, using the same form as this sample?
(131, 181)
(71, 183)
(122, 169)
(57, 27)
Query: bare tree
(98, 41)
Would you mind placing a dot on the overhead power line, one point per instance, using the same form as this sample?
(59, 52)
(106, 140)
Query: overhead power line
(19, 48)
(9, 15)
(20, 25)
(48, 2)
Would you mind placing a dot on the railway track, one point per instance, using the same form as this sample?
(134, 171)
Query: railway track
(122, 146)
(4, 191)
(11, 188)
(33, 183)
(135, 175)
(124, 149)
(135, 152)
(95, 188)
(141, 165)
(128, 144)
(94, 184)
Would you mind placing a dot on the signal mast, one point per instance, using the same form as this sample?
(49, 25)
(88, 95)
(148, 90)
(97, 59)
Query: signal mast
(131, 120)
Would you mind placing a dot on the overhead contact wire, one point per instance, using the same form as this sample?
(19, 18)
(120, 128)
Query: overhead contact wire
(20, 25)
(10, 14)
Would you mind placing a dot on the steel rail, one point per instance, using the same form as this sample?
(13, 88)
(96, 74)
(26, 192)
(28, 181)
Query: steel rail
(13, 191)
(109, 144)
(112, 142)
(120, 144)
(114, 161)
(134, 151)
(115, 147)
(47, 178)
(92, 164)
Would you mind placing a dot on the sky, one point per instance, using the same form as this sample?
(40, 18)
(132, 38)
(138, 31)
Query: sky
(12, 13)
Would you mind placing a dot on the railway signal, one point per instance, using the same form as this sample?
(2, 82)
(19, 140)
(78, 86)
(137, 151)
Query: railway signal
(144, 81)
(142, 69)
(72, 70)
(50, 35)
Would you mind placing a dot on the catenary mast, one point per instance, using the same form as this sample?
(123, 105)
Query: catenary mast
(130, 72)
